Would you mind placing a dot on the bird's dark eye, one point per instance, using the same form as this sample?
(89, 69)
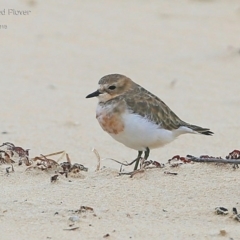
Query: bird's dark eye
(112, 87)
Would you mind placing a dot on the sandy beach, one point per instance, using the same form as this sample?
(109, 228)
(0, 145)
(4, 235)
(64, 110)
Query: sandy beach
(52, 57)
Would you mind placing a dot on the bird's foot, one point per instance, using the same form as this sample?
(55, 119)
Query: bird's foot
(144, 164)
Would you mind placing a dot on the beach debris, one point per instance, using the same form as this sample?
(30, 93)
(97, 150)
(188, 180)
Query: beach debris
(178, 157)
(221, 211)
(5, 158)
(7, 146)
(98, 159)
(232, 158)
(224, 211)
(71, 229)
(74, 218)
(235, 154)
(236, 215)
(209, 157)
(74, 169)
(177, 160)
(106, 235)
(222, 232)
(9, 150)
(10, 154)
(235, 212)
(149, 163)
(66, 166)
(8, 168)
(84, 209)
(43, 162)
(54, 178)
(170, 173)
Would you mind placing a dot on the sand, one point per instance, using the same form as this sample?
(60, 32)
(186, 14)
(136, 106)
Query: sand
(185, 52)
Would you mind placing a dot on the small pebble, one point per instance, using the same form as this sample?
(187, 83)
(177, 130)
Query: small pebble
(222, 233)
(221, 210)
(74, 219)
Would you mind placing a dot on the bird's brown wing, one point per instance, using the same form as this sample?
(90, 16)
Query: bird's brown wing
(145, 104)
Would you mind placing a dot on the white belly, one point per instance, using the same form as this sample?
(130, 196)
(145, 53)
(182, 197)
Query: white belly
(139, 133)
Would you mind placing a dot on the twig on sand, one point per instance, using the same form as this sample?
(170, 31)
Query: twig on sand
(170, 173)
(71, 229)
(212, 159)
(98, 159)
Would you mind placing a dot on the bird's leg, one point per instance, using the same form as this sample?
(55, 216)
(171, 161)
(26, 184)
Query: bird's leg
(128, 164)
(146, 155)
(147, 152)
(137, 159)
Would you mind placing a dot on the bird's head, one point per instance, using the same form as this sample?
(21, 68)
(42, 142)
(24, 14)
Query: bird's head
(111, 86)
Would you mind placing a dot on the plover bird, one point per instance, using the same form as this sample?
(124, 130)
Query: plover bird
(137, 118)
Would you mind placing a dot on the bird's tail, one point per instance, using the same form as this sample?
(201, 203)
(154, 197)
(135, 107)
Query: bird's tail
(204, 131)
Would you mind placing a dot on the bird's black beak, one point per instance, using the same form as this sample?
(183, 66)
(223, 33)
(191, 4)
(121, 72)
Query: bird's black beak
(94, 94)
